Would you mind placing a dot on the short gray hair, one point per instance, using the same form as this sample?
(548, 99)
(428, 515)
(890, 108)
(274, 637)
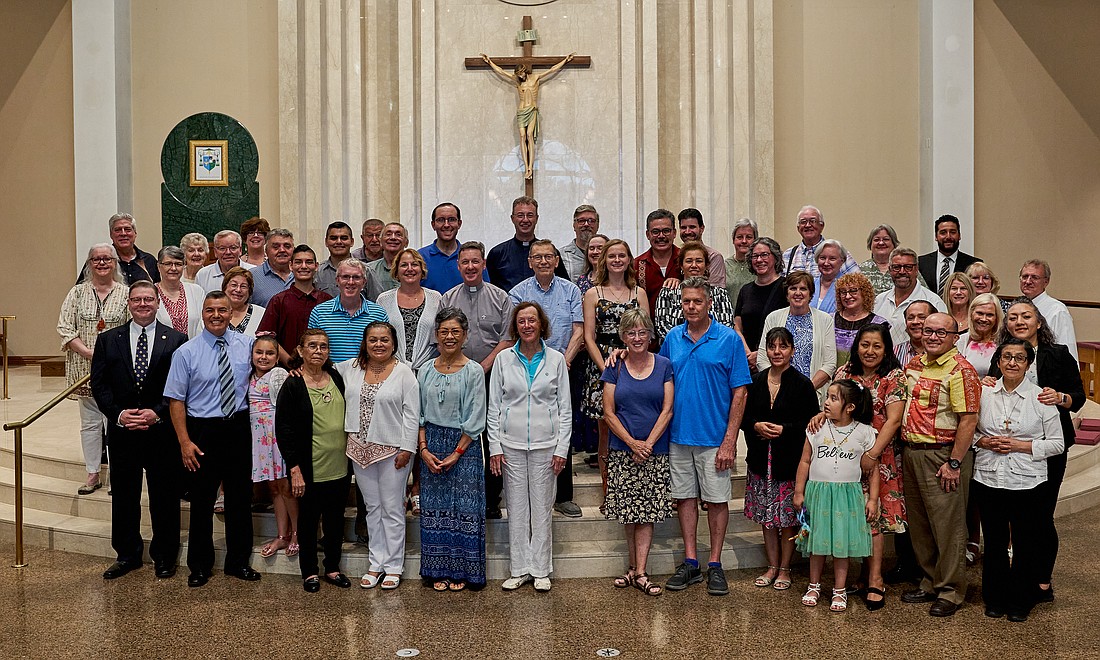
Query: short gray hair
(831, 242)
(888, 229)
(170, 251)
(279, 231)
(195, 238)
(452, 314)
(228, 233)
(352, 262)
(635, 317)
(773, 247)
(586, 208)
(697, 283)
(817, 212)
(902, 252)
(119, 217)
(745, 222)
(1038, 263)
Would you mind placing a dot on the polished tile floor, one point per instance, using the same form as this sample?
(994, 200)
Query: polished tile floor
(60, 607)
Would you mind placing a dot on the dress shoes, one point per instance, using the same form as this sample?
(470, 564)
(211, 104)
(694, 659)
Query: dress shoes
(243, 573)
(1045, 595)
(120, 568)
(339, 580)
(943, 607)
(163, 569)
(311, 585)
(994, 612)
(917, 596)
(197, 579)
(897, 575)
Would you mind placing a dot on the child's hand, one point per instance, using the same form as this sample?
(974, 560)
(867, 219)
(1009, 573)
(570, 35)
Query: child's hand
(872, 510)
(797, 500)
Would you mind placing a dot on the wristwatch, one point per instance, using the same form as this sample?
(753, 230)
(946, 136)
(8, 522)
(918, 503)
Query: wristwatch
(954, 464)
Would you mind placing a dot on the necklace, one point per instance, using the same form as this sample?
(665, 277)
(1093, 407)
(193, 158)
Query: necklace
(376, 370)
(1008, 415)
(837, 452)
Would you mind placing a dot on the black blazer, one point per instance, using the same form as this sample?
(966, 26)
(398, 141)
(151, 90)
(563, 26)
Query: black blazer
(926, 264)
(795, 404)
(1058, 370)
(294, 423)
(113, 383)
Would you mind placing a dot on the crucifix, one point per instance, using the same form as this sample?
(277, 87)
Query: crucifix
(527, 85)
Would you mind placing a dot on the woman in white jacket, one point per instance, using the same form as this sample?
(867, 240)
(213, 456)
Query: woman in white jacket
(814, 333)
(530, 420)
(412, 309)
(382, 420)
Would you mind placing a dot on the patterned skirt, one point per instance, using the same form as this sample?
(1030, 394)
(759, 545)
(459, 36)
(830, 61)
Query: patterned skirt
(452, 511)
(768, 500)
(892, 518)
(638, 492)
(838, 523)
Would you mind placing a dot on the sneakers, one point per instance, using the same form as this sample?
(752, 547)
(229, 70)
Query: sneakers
(716, 581)
(542, 584)
(568, 509)
(685, 575)
(513, 583)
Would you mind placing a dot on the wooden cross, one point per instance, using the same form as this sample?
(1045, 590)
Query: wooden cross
(527, 38)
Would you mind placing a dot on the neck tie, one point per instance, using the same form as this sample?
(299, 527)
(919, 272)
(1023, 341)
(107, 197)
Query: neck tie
(226, 387)
(141, 360)
(945, 270)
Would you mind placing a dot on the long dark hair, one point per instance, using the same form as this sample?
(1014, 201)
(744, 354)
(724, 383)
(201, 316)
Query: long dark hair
(857, 395)
(363, 357)
(1044, 337)
(889, 360)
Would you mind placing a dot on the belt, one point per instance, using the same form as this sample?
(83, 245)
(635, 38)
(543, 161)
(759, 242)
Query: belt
(928, 445)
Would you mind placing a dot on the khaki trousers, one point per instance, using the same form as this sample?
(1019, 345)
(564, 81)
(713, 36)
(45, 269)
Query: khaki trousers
(937, 521)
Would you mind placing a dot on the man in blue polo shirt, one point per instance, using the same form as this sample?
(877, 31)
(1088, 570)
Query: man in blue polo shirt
(347, 316)
(441, 255)
(712, 372)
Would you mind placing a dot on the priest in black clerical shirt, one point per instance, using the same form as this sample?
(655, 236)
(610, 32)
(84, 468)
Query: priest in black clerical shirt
(507, 262)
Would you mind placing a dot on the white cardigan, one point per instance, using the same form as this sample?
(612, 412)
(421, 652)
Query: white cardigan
(195, 296)
(823, 353)
(424, 347)
(395, 420)
(539, 416)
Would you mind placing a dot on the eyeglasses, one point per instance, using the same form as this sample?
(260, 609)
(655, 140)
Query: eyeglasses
(802, 222)
(227, 248)
(255, 232)
(937, 332)
(898, 268)
(145, 300)
(640, 333)
(847, 292)
(351, 278)
(585, 221)
(760, 256)
(169, 265)
(666, 231)
(543, 257)
(449, 332)
(101, 260)
(1015, 359)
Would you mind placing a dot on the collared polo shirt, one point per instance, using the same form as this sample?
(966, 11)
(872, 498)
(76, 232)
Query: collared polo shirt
(345, 331)
(443, 272)
(939, 390)
(562, 303)
(488, 308)
(705, 372)
(266, 283)
(194, 375)
(287, 315)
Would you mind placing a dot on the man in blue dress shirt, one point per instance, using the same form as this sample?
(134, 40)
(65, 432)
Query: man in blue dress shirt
(207, 389)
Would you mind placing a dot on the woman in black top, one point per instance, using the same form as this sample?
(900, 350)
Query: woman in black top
(309, 427)
(1058, 374)
(762, 297)
(780, 403)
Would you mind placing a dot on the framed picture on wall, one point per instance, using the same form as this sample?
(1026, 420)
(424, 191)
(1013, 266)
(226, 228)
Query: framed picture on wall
(208, 166)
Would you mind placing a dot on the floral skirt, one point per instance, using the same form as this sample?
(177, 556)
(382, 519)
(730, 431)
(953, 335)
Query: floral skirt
(768, 500)
(892, 518)
(638, 492)
(838, 522)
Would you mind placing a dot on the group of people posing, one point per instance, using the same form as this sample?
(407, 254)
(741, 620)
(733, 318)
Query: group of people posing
(441, 377)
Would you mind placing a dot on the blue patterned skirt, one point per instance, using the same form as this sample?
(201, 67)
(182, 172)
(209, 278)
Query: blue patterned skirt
(452, 511)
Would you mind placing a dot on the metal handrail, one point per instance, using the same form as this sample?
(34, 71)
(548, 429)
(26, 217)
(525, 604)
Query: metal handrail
(18, 428)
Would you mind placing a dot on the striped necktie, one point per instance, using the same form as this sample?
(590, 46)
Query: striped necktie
(226, 387)
(945, 270)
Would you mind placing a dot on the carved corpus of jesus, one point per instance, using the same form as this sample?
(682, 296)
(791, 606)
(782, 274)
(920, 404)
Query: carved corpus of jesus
(527, 114)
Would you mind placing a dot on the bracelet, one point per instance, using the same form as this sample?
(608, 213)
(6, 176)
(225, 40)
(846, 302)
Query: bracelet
(459, 450)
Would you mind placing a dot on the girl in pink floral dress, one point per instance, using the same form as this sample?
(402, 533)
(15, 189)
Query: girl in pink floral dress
(267, 462)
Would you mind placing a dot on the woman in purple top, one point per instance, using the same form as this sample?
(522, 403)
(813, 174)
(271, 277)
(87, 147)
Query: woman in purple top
(637, 402)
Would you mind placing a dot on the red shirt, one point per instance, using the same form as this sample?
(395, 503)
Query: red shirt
(287, 315)
(650, 277)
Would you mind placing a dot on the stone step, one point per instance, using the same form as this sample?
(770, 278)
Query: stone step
(571, 558)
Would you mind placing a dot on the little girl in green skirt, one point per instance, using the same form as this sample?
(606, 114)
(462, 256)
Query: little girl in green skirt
(828, 485)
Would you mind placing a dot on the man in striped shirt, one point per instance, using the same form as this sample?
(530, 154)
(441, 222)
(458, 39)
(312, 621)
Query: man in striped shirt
(346, 317)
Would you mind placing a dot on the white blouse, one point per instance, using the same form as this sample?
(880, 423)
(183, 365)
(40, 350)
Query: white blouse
(1016, 414)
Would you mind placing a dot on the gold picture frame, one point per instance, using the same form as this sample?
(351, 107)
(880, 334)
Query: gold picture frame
(207, 162)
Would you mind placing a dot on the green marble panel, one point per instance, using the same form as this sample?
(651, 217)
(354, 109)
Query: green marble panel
(207, 209)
